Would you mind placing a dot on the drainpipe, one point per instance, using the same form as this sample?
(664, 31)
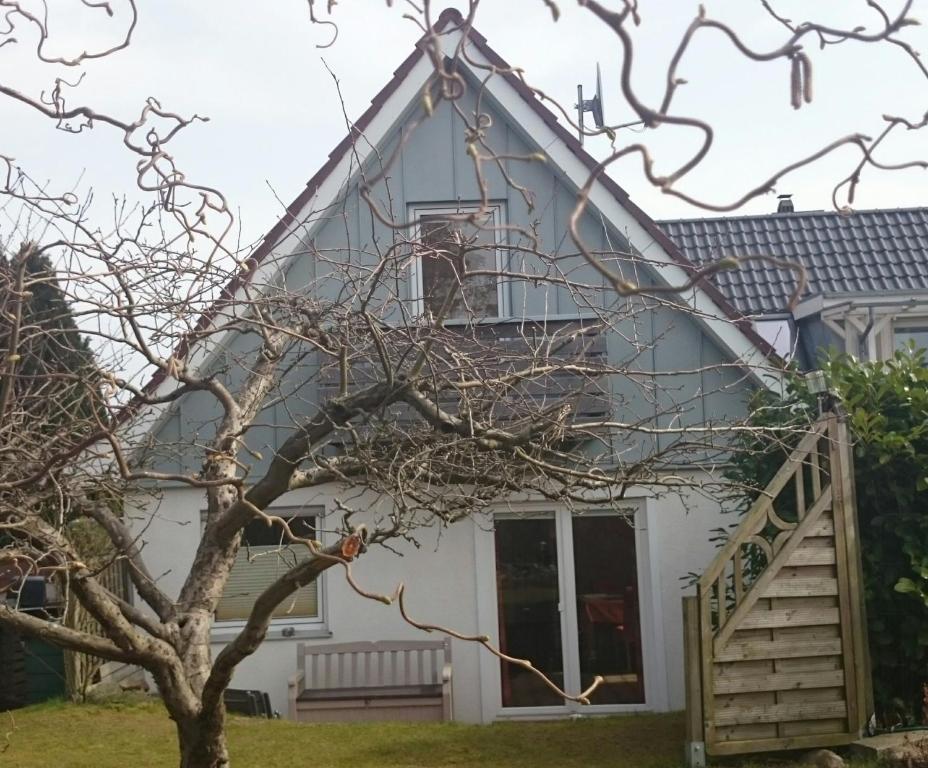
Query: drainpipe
(864, 336)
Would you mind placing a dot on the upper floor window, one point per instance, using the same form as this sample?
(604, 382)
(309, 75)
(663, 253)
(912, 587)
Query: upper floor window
(264, 556)
(459, 259)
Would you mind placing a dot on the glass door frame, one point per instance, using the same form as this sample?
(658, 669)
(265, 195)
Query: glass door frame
(652, 645)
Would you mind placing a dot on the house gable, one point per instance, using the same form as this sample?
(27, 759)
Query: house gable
(702, 358)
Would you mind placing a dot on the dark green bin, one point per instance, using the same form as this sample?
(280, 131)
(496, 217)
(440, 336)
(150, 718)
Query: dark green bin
(30, 671)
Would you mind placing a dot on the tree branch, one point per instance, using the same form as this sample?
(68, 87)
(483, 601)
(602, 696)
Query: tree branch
(255, 629)
(124, 541)
(70, 639)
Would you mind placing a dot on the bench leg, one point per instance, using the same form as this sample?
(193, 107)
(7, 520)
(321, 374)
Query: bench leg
(294, 684)
(446, 707)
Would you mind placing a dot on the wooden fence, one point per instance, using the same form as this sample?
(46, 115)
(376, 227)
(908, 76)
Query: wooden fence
(776, 654)
(83, 671)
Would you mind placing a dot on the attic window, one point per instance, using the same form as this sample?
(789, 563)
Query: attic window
(459, 258)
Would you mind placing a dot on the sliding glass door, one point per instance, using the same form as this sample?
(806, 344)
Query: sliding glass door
(606, 599)
(528, 597)
(568, 600)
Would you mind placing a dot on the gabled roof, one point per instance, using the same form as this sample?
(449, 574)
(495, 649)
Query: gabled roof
(876, 251)
(713, 310)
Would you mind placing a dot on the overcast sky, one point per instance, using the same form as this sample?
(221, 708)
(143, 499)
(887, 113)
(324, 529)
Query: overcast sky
(255, 71)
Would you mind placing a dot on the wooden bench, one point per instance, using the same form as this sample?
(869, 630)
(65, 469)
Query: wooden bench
(352, 682)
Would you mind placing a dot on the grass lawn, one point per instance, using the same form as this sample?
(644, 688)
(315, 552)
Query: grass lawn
(139, 735)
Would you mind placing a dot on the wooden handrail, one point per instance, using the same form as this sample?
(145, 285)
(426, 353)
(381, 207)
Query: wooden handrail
(758, 511)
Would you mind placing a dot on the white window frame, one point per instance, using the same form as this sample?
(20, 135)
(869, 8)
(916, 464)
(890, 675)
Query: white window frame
(284, 627)
(905, 323)
(652, 638)
(498, 211)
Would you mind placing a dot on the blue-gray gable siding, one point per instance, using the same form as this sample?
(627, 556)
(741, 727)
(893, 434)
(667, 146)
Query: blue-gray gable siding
(433, 169)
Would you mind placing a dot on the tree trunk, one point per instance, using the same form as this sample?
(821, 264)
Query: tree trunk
(201, 732)
(203, 741)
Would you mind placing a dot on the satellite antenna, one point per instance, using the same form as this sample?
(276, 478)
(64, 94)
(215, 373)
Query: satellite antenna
(594, 105)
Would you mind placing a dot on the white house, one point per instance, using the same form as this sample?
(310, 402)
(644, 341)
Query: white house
(581, 595)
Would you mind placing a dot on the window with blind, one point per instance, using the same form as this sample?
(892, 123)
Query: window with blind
(263, 557)
(459, 258)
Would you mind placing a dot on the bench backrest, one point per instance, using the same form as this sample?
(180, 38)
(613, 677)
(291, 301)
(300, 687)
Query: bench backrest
(396, 663)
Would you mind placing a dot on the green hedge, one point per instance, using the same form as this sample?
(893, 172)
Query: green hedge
(887, 412)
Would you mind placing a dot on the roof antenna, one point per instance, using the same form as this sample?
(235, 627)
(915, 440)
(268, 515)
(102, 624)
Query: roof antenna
(594, 105)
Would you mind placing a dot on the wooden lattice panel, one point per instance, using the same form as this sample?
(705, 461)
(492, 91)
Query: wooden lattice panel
(776, 659)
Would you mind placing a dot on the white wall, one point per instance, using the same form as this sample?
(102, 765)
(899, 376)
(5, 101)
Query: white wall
(680, 533)
(778, 334)
(439, 589)
(442, 580)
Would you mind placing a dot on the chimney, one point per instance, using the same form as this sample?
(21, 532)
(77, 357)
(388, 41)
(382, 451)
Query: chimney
(786, 204)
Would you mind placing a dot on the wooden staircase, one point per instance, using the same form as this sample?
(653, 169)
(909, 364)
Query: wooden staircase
(776, 654)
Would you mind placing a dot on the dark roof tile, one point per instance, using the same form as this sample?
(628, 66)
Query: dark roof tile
(879, 250)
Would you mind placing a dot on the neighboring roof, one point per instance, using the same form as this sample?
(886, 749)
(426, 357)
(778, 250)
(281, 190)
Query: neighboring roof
(450, 19)
(874, 251)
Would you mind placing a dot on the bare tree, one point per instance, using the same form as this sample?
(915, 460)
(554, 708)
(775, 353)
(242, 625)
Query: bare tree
(437, 420)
